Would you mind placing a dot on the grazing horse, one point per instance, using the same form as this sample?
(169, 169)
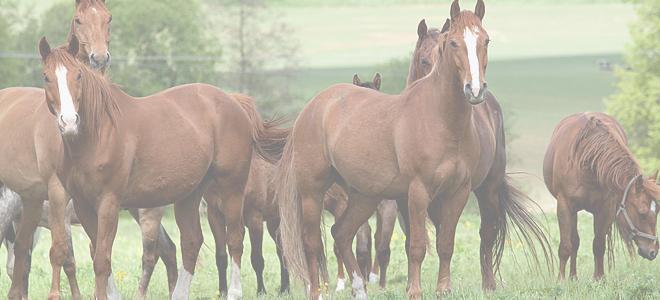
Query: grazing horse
(258, 206)
(171, 147)
(36, 152)
(494, 209)
(428, 145)
(588, 166)
(90, 25)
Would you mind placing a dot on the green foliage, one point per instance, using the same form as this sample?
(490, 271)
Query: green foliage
(155, 45)
(637, 103)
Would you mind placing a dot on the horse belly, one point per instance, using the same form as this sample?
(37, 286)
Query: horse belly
(164, 175)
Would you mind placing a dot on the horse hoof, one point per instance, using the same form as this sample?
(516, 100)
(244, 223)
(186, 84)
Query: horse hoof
(361, 295)
(234, 294)
(341, 285)
(373, 278)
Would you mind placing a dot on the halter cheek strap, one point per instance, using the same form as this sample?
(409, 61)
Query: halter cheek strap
(634, 232)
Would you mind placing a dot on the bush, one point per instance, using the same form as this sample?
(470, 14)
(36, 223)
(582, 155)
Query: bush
(637, 103)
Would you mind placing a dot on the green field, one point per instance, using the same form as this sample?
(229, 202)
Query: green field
(631, 279)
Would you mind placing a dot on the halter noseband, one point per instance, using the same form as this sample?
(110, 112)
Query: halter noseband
(634, 232)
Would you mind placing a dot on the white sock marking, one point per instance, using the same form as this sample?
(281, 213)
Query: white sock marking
(235, 291)
(373, 277)
(341, 285)
(182, 288)
(358, 287)
(112, 290)
(470, 36)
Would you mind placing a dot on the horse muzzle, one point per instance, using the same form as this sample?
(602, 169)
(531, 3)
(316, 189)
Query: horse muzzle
(649, 253)
(68, 125)
(98, 62)
(475, 95)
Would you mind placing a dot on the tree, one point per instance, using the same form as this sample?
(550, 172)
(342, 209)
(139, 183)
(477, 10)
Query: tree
(261, 53)
(155, 44)
(637, 102)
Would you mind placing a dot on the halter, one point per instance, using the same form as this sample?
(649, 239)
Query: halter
(634, 232)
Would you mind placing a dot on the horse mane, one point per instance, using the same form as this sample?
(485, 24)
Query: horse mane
(98, 101)
(598, 149)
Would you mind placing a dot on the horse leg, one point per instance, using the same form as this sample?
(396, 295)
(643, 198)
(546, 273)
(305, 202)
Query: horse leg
(70, 261)
(186, 213)
(284, 273)
(575, 241)
(566, 227)
(232, 208)
(60, 231)
(106, 232)
(256, 229)
(363, 249)
(219, 230)
(360, 208)
(166, 251)
(602, 227)
(341, 277)
(490, 212)
(312, 206)
(418, 202)
(23, 246)
(375, 266)
(449, 210)
(150, 228)
(387, 213)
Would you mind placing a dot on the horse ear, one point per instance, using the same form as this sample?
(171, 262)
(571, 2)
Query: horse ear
(455, 10)
(480, 9)
(74, 46)
(655, 175)
(356, 79)
(44, 48)
(377, 81)
(445, 27)
(422, 29)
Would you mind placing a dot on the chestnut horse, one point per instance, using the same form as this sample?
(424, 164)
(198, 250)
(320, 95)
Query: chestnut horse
(90, 25)
(428, 146)
(336, 202)
(36, 152)
(258, 206)
(149, 152)
(494, 210)
(588, 166)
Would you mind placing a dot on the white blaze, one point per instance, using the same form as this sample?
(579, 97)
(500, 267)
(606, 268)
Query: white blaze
(653, 206)
(235, 291)
(182, 288)
(470, 36)
(67, 110)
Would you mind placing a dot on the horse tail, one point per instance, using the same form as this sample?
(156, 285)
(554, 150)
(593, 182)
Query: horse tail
(269, 139)
(515, 210)
(290, 211)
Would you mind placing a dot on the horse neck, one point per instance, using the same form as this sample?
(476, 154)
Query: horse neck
(441, 95)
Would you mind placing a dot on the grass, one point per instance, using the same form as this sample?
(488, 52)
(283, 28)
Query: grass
(631, 279)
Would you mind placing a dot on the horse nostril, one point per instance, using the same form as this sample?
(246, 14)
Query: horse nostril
(653, 254)
(77, 119)
(62, 119)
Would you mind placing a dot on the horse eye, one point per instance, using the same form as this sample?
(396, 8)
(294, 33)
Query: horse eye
(78, 21)
(453, 44)
(46, 79)
(110, 20)
(487, 42)
(79, 76)
(425, 62)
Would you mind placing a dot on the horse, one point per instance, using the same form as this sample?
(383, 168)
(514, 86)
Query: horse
(90, 25)
(427, 146)
(588, 166)
(258, 206)
(494, 211)
(35, 153)
(336, 202)
(196, 140)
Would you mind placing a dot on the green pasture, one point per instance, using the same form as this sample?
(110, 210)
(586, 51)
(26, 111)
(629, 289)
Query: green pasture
(631, 279)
